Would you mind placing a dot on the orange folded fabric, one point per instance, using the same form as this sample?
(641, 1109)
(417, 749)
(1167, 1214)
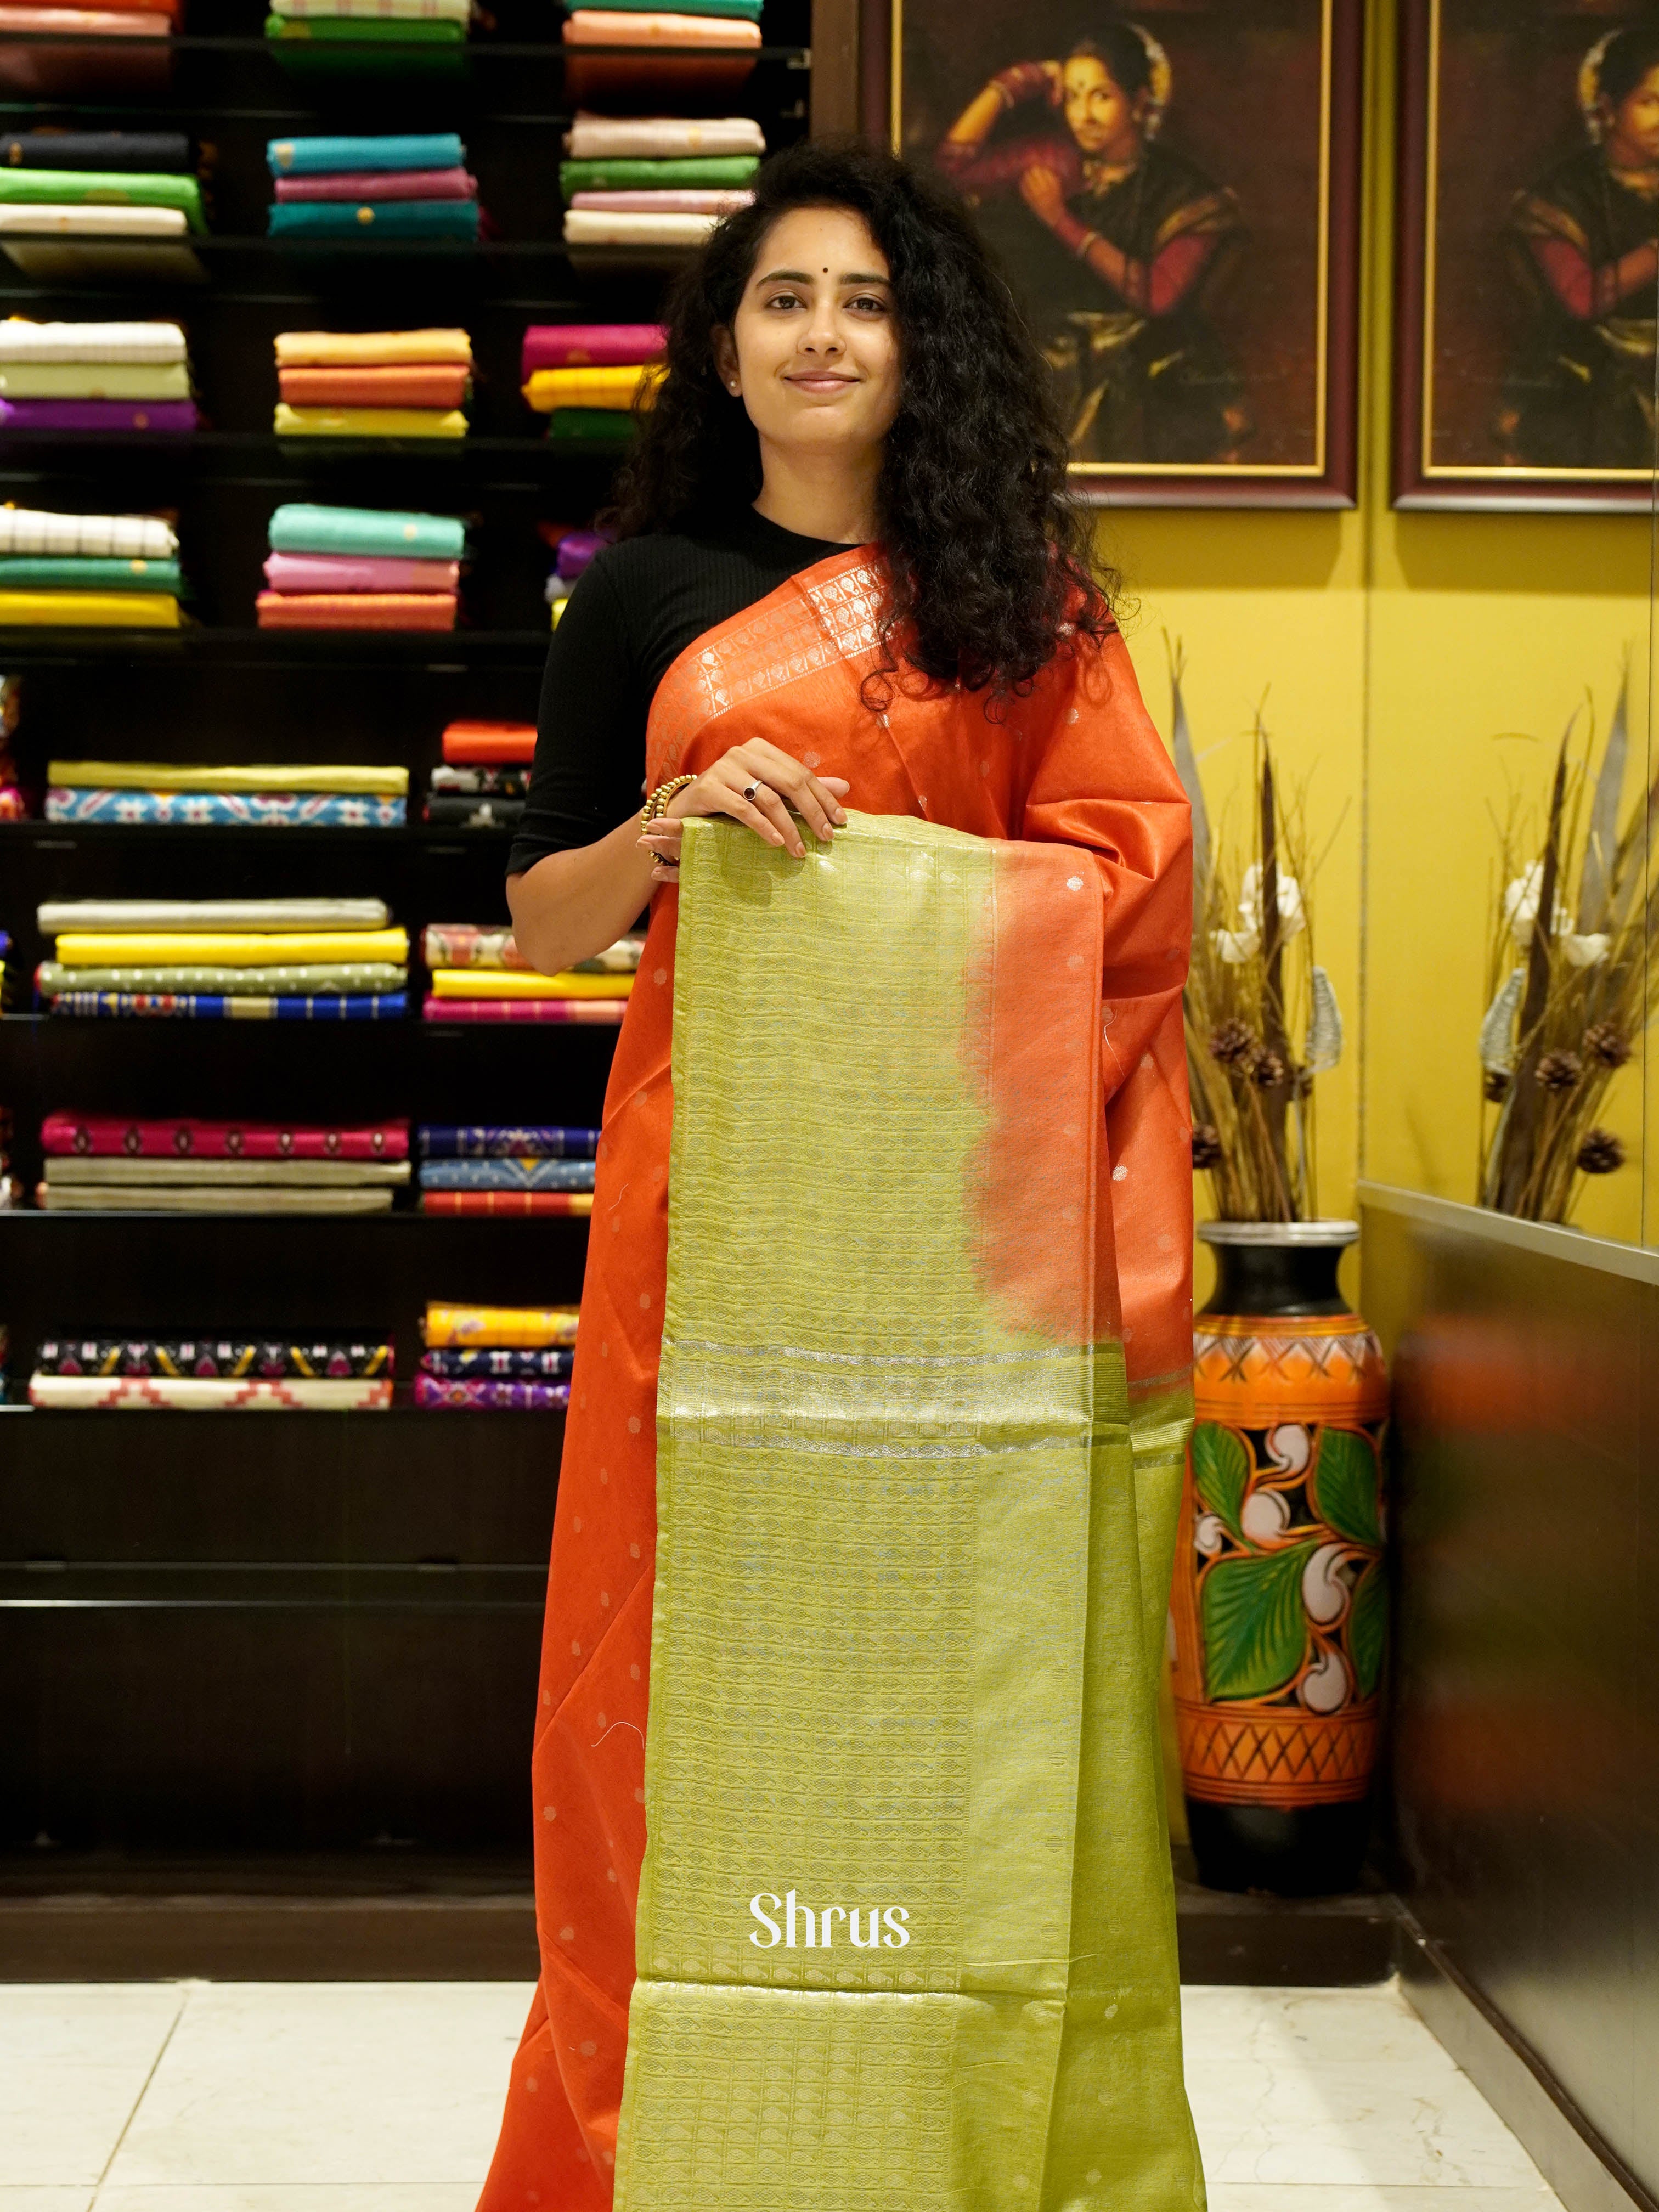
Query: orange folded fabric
(436, 385)
(498, 744)
(356, 610)
(604, 26)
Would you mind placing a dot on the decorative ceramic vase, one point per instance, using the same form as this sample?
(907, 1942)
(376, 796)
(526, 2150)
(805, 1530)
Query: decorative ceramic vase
(1281, 1600)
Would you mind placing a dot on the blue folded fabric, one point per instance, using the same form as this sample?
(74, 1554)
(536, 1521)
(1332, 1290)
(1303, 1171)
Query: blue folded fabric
(377, 532)
(316, 157)
(208, 1006)
(507, 1174)
(438, 1141)
(375, 219)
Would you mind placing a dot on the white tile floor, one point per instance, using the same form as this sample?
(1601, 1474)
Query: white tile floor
(384, 2097)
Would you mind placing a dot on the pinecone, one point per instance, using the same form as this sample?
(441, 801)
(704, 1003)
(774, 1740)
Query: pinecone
(1560, 1070)
(1601, 1153)
(1495, 1087)
(1231, 1044)
(1266, 1070)
(1207, 1145)
(1607, 1043)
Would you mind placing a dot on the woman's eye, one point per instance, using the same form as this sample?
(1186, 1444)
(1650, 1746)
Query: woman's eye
(869, 300)
(784, 300)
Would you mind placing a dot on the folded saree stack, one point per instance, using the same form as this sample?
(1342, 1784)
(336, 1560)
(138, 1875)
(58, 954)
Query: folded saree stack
(108, 196)
(301, 959)
(481, 1358)
(499, 1168)
(479, 975)
(575, 549)
(95, 377)
(211, 1374)
(304, 796)
(618, 47)
(658, 180)
(361, 567)
(88, 571)
(98, 1163)
(371, 384)
(413, 187)
(587, 378)
(480, 782)
(370, 36)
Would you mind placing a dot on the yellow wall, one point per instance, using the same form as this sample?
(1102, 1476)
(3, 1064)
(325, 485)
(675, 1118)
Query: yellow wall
(1416, 666)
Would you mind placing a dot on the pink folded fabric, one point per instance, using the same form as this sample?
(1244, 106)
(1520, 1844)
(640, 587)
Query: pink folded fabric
(687, 203)
(601, 1014)
(382, 184)
(106, 1136)
(360, 610)
(591, 345)
(86, 22)
(351, 572)
(601, 27)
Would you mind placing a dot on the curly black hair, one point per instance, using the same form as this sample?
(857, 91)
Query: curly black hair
(1631, 53)
(988, 558)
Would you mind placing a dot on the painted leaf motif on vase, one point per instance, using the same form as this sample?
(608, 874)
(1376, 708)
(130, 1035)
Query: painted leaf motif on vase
(1255, 1628)
(1367, 1628)
(1346, 1486)
(1221, 1473)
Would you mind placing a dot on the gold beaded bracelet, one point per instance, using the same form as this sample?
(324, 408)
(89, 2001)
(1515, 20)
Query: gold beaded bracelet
(657, 804)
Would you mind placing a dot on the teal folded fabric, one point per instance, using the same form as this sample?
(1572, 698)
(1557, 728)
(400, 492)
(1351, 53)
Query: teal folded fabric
(21, 574)
(375, 219)
(300, 528)
(315, 157)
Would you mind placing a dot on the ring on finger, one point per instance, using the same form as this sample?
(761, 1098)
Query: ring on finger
(749, 792)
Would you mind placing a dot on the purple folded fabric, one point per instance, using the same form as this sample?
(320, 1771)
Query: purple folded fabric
(591, 345)
(381, 185)
(163, 415)
(433, 1393)
(351, 572)
(576, 549)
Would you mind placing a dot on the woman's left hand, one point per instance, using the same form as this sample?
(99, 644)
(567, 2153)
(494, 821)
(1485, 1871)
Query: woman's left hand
(1043, 193)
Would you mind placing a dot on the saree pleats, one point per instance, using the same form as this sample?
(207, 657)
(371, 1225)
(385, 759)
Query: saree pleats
(865, 1516)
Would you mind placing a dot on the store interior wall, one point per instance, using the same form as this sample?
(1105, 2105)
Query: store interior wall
(1411, 669)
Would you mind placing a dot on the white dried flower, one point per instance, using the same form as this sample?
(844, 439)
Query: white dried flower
(1292, 919)
(1585, 951)
(1520, 900)
(1236, 945)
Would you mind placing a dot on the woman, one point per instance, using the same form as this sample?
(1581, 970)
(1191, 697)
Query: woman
(1580, 392)
(1137, 233)
(847, 579)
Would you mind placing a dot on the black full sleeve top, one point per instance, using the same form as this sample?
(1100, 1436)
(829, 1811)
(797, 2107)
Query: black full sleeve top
(631, 614)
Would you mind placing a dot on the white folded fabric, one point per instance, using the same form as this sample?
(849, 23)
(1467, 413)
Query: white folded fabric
(592, 226)
(94, 380)
(625, 137)
(209, 1393)
(209, 1198)
(132, 343)
(99, 537)
(48, 220)
(65, 917)
(400, 11)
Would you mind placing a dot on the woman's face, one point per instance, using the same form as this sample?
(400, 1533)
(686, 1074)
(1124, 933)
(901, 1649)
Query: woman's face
(814, 347)
(1633, 140)
(1100, 115)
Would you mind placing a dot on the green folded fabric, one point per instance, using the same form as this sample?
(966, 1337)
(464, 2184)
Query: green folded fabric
(300, 528)
(85, 380)
(363, 30)
(20, 574)
(101, 188)
(590, 426)
(690, 172)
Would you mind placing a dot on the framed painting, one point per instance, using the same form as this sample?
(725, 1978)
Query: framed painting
(1172, 189)
(1528, 255)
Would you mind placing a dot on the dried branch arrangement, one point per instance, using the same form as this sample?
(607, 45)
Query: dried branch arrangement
(1571, 983)
(1253, 986)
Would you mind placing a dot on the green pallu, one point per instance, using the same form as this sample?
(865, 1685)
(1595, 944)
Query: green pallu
(590, 426)
(304, 981)
(102, 188)
(690, 172)
(364, 30)
(903, 1656)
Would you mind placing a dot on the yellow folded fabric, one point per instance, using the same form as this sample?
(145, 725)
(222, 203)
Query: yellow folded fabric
(199, 948)
(515, 983)
(549, 388)
(368, 422)
(168, 775)
(369, 348)
(90, 609)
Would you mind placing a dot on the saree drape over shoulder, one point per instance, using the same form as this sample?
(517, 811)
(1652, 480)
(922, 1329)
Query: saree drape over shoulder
(862, 1548)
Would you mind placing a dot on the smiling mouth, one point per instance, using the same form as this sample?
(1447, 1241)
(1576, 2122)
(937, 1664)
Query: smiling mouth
(821, 379)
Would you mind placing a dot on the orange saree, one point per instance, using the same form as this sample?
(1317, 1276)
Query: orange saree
(1075, 763)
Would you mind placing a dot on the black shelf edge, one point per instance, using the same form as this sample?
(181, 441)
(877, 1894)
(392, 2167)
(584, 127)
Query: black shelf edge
(260, 648)
(187, 42)
(277, 1224)
(36, 831)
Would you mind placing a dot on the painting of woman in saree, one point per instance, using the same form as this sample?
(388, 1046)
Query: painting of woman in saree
(1580, 393)
(1170, 189)
(1529, 268)
(1130, 235)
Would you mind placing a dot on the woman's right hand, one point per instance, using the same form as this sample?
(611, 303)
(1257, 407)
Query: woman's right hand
(762, 787)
